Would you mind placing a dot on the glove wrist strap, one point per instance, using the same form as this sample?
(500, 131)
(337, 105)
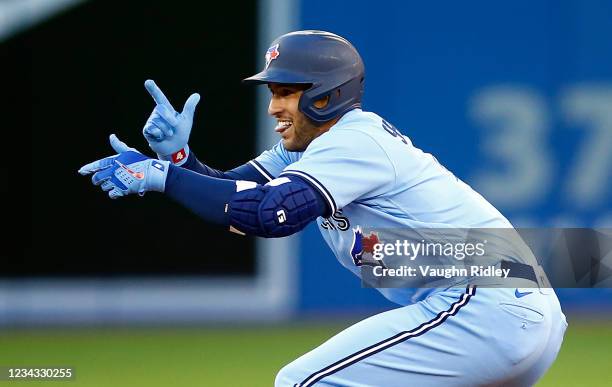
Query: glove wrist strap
(157, 174)
(177, 158)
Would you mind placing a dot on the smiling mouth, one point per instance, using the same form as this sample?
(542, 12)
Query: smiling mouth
(282, 125)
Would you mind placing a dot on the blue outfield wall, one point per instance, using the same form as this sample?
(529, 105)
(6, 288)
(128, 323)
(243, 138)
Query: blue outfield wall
(514, 97)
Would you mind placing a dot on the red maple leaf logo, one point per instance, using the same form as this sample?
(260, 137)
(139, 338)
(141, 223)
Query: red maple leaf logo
(368, 242)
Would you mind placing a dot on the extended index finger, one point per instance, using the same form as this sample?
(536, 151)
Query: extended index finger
(97, 165)
(157, 94)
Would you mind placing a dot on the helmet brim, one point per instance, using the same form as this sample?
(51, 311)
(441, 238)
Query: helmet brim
(278, 76)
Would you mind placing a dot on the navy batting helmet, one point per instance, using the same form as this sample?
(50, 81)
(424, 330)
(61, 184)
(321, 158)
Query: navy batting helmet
(327, 62)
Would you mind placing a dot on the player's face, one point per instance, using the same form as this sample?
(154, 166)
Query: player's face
(294, 127)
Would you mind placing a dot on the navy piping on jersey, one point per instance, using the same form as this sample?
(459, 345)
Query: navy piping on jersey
(391, 341)
(316, 184)
(261, 169)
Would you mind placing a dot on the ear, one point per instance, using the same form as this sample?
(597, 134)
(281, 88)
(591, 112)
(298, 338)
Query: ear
(321, 103)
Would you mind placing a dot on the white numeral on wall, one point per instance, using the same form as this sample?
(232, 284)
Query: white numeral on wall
(518, 167)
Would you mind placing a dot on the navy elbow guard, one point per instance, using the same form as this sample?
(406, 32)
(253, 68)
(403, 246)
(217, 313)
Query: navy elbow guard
(280, 208)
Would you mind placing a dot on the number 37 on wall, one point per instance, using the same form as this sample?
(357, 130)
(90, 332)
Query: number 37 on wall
(519, 130)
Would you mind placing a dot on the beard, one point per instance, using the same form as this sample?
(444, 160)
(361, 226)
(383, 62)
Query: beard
(303, 132)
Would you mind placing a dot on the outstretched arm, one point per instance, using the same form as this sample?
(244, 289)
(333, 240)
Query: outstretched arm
(279, 208)
(250, 171)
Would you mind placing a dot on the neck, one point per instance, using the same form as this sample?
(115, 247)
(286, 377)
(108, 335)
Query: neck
(327, 125)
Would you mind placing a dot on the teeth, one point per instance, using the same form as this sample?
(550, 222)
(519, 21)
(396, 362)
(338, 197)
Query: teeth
(283, 124)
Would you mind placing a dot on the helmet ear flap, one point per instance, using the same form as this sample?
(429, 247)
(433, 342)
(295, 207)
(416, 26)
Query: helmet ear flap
(340, 99)
(322, 102)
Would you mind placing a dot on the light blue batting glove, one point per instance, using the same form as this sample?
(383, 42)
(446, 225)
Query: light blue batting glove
(128, 172)
(167, 131)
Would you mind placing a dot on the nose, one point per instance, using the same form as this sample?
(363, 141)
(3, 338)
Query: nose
(275, 107)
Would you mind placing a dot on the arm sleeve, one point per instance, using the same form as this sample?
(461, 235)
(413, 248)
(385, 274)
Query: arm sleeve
(204, 195)
(279, 208)
(249, 171)
(345, 166)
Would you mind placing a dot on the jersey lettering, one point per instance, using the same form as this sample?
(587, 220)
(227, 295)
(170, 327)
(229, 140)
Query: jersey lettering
(336, 222)
(392, 130)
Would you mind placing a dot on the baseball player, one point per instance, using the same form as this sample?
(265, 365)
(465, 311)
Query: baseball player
(354, 173)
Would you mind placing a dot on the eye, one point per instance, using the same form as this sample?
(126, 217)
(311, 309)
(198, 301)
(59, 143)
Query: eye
(285, 92)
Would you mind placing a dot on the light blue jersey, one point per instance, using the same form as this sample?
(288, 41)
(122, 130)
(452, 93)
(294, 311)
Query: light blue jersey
(374, 179)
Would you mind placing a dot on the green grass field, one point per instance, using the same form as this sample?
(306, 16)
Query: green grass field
(237, 356)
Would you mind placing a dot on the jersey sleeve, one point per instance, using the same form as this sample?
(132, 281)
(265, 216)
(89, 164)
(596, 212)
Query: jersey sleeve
(345, 166)
(273, 161)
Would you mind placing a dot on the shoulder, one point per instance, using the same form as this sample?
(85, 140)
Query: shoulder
(355, 124)
(358, 139)
(357, 131)
(358, 122)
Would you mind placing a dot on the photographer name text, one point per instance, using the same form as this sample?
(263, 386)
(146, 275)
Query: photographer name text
(447, 272)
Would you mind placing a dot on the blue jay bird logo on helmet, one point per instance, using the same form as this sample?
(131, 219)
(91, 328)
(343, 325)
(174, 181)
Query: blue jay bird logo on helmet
(271, 54)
